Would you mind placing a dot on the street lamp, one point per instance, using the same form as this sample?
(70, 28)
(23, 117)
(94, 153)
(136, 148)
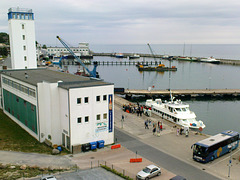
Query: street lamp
(230, 160)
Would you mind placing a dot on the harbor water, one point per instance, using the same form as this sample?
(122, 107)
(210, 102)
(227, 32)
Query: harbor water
(218, 114)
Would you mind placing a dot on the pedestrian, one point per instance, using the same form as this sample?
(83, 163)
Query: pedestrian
(177, 131)
(161, 126)
(186, 133)
(122, 117)
(158, 131)
(146, 124)
(181, 130)
(154, 130)
(158, 124)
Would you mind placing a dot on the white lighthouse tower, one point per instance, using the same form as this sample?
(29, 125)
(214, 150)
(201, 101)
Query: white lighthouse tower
(22, 38)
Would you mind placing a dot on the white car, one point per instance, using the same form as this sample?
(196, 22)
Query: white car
(48, 178)
(149, 172)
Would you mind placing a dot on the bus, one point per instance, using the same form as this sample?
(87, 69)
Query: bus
(215, 146)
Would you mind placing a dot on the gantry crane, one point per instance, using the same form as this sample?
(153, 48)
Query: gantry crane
(92, 73)
(151, 51)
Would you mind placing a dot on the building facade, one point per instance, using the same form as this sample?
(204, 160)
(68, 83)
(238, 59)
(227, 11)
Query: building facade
(59, 108)
(22, 38)
(82, 50)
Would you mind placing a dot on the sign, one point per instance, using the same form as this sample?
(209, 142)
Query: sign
(110, 114)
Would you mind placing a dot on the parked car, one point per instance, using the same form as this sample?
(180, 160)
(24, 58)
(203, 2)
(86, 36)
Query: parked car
(149, 172)
(48, 178)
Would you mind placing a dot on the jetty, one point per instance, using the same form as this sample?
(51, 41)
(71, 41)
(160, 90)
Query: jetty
(125, 55)
(180, 92)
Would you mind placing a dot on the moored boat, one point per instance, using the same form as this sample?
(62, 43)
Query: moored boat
(210, 60)
(134, 56)
(176, 112)
(159, 68)
(119, 55)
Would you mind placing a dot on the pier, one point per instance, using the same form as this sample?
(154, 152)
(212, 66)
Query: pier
(115, 62)
(222, 61)
(181, 92)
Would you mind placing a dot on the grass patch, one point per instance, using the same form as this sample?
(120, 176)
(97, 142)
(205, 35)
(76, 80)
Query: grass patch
(15, 172)
(14, 138)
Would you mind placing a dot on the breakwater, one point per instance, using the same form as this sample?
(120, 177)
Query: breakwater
(126, 55)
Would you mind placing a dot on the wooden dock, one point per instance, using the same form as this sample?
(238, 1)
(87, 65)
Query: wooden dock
(186, 92)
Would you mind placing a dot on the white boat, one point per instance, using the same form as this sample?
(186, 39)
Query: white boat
(176, 112)
(210, 60)
(134, 56)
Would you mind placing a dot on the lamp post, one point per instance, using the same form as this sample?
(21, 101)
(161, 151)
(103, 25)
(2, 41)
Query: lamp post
(230, 160)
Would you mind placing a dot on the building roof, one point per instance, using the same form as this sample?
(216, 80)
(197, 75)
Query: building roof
(64, 80)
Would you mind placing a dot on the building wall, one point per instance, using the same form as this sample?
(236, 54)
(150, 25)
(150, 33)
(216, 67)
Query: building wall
(64, 117)
(49, 114)
(93, 130)
(23, 49)
(20, 104)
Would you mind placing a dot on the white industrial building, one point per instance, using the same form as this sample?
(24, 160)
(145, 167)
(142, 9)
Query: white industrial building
(22, 38)
(82, 50)
(59, 108)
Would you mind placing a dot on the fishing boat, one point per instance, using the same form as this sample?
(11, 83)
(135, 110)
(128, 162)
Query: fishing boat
(210, 60)
(134, 56)
(159, 68)
(175, 111)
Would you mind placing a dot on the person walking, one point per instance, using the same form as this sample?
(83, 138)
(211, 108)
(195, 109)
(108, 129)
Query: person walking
(177, 131)
(161, 126)
(154, 130)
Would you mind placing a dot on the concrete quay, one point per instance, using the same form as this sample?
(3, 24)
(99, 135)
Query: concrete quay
(176, 146)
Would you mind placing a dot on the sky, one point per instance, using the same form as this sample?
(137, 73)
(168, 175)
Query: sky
(131, 21)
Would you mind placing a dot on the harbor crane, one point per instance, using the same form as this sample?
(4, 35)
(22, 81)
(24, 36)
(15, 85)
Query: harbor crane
(152, 52)
(92, 73)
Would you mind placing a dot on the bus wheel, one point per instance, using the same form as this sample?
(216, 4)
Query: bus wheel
(212, 158)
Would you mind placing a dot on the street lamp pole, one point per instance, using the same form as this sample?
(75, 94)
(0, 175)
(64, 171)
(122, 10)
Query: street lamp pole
(230, 160)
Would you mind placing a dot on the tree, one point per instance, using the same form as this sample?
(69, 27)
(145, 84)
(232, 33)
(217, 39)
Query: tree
(4, 38)
(3, 51)
(44, 46)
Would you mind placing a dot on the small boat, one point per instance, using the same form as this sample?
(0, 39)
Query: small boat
(119, 55)
(56, 60)
(210, 60)
(134, 56)
(184, 58)
(159, 68)
(176, 112)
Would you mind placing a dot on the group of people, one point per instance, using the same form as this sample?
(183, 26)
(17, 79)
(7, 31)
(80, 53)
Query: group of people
(133, 108)
(157, 127)
(180, 131)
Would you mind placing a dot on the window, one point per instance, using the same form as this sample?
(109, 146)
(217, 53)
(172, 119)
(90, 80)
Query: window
(25, 103)
(79, 100)
(79, 120)
(17, 99)
(104, 97)
(86, 99)
(25, 59)
(23, 37)
(24, 48)
(98, 116)
(22, 26)
(105, 116)
(97, 98)
(87, 119)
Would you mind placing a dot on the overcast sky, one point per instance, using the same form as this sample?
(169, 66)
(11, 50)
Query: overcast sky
(131, 21)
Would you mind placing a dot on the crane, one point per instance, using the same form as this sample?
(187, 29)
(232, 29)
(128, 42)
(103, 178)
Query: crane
(92, 73)
(151, 51)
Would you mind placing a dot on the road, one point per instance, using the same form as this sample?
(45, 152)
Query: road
(160, 158)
